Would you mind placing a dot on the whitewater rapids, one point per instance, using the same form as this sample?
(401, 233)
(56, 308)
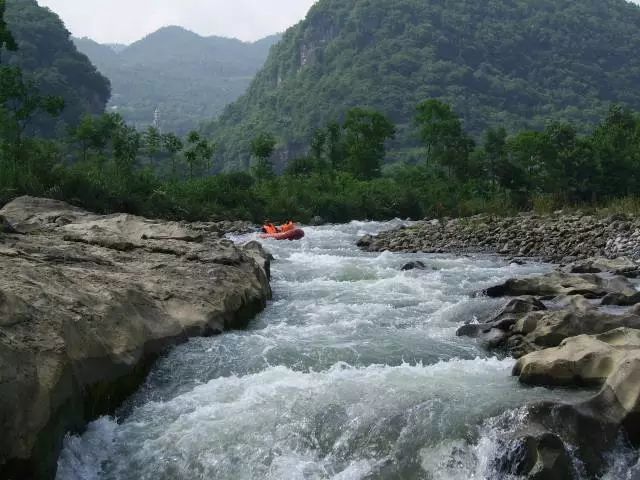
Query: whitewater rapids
(353, 371)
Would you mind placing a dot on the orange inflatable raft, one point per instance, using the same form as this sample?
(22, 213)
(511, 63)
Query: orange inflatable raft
(288, 231)
(295, 234)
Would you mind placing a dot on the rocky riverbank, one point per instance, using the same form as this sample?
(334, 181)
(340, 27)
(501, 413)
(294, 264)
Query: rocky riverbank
(576, 327)
(571, 330)
(554, 238)
(87, 302)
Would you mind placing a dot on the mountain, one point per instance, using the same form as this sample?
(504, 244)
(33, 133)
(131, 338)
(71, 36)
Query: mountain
(512, 63)
(47, 55)
(189, 78)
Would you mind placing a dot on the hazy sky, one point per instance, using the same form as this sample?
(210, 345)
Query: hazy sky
(125, 21)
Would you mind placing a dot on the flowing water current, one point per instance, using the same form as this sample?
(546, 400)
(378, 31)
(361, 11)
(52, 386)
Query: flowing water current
(353, 371)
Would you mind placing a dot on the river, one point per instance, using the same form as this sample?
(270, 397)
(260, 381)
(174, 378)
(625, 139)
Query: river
(353, 371)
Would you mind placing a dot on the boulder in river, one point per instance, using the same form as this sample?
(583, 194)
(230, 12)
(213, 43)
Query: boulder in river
(87, 302)
(591, 427)
(504, 319)
(540, 455)
(617, 266)
(584, 360)
(621, 299)
(557, 283)
(549, 329)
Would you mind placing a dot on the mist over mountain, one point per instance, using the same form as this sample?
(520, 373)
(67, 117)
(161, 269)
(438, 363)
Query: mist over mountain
(187, 77)
(513, 63)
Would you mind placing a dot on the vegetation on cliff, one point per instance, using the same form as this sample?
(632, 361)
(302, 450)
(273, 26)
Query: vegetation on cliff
(48, 58)
(517, 64)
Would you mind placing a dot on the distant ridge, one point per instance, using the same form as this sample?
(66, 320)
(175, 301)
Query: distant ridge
(188, 77)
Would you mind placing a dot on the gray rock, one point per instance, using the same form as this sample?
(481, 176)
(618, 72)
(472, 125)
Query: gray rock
(6, 227)
(621, 299)
(556, 283)
(89, 301)
(537, 456)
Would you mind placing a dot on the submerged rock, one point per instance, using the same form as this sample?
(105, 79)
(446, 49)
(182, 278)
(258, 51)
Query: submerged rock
(417, 265)
(87, 302)
(538, 456)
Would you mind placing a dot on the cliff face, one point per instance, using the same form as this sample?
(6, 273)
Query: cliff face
(87, 302)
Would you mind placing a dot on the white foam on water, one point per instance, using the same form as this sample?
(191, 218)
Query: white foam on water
(352, 372)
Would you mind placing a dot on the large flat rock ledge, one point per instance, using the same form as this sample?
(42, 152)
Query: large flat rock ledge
(87, 302)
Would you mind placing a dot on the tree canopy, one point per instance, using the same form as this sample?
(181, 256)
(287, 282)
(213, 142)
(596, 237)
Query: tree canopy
(499, 63)
(47, 56)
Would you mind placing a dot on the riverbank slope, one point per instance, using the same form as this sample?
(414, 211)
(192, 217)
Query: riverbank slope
(87, 302)
(555, 238)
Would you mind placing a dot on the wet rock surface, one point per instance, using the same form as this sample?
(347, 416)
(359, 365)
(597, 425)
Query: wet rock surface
(87, 302)
(576, 327)
(561, 237)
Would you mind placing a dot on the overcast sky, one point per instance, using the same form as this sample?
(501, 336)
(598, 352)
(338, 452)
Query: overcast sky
(125, 21)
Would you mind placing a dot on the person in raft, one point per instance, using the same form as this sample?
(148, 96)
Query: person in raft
(270, 228)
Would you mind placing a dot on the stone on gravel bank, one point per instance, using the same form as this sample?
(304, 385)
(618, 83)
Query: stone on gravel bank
(87, 302)
(554, 237)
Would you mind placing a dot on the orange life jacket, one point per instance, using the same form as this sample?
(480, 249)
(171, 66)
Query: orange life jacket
(270, 228)
(287, 227)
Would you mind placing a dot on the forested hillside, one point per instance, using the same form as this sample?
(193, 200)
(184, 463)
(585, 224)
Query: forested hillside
(48, 57)
(189, 78)
(512, 63)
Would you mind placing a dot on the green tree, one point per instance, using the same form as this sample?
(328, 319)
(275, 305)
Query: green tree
(199, 153)
(6, 38)
(86, 135)
(335, 146)
(191, 153)
(126, 146)
(442, 134)
(495, 147)
(525, 168)
(173, 145)
(152, 142)
(20, 101)
(366, 132)
(262, 148)
(617, 149)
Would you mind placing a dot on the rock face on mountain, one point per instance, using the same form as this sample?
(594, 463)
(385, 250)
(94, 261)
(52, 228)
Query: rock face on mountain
(561, 237)
(87, 302)
(489, 60)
